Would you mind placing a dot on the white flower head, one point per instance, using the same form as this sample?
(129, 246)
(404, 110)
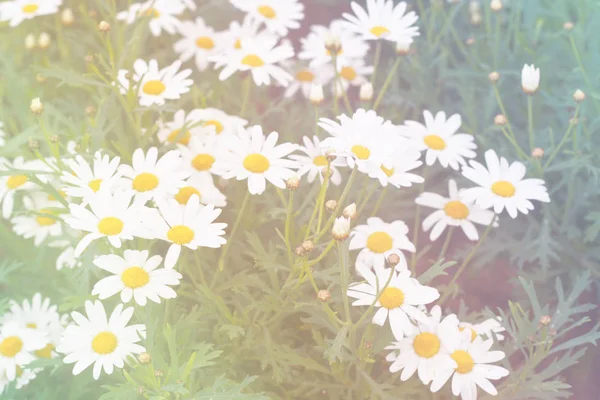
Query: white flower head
(279, 16)
(84, 180)
(306, 77)
(314, 162)
(403, 159)
(383, 20)
(203, 187)
(162, 15)
(18, 344)
(530, 79)
(41, 222)
(199, 42)
(17, 11)
(16, 182)
(489, 328)
(204, 157)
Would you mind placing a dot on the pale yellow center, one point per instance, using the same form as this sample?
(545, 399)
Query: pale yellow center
(361, 152)
(348, 73)
(305, 76)
(379, 242)
(180, 234)
(46, 352)
(203, 162)
(391, 298)
(379, 30)
(434, 142)
(218, 126)
(30, 8)
(184, 139)
(320, 161)
(184, 194)
(110, 226)
(43, 220)
(473, 333)
(145, 182)
(426, 345)
(104, 343)
(205, 42)
(135, 277)
(504, 189)
(154, 88)
(238, 44)
(151, 12)
(267, 12)
(31, 325)
(253, 61)
(456, 209)
(256, 163)
(464, 361)
(11, 346)
(95, 184)
(16, 181)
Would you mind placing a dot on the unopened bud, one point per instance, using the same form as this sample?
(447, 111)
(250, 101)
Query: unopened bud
(470, 41)
(54, 138)
(350, 211)
(33, 144)
(104, 26)
(494, 76)
(574, 121)
(474, 7)
(158, 373)
(496, 5)
(300, 252)
(293, 183)
(330, 154)
(333, 44)
(40, 78)
(476, 18)
(90, 110)
(578, 96)
(140, 390)
(537, 152)
(403, 47)
(30, 42)
(36, 106)
(500, 120)
(393, 259)
(67, 17)
(308, 246)
(324, 295)
(144, 358)
(44, 40)
(567, 26)
(545, 320)
(93, 13)
(89, 58)
(341, 228)
(316, 95)
(331, 205)
(366, 91)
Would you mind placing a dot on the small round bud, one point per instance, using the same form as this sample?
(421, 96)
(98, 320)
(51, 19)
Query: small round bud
(144, 358)
(494, 76)
(496, 5)
(40, 78)
(470, 41)
(67, 17)
(393, 259)
(93, 13)
(545, 320)
(158, 373)
(476, 18)
(368, 345)
(474, 7)
(54, 138)
(104, 26)
(293, 183)
(33, 144)
(44, 40)
(36, 106)
(341, 228)
(567, 26)
(537, 152)
(331, 205)
(90, 111)
(300, 252)
(578, 96)
(316, 95)
(500, 120)
(330, 154)
(333, 44)
(350, 211)
(30, 42)
(308, 246)
(140, 390)
(324, 295)
(403, 47)
(366, 91)
(89, 58)
(574, 121)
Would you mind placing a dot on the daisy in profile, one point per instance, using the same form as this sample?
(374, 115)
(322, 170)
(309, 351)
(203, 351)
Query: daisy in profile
(203, 157)
(162, 15)
(404, 159)
(421, 351)
(199, 42)
(17, 11)
(135, 276)
(377, 240)
(353, 73)
(400, 301)
(13, 183)
(501, 186)
(453, 210)
(249, 28)
(279, 16)
(203, 187)
(259, 159)
(260, 56)
(439, 140)
(151, 177)
(472, 365)
(154, 86)
(314, 162)
(383, 20)
(180, 129)
(67, 259)
(489, 328)
(42, 222)
(84, 180)
(191, 226)
(24, 376)
(217, 122)
(104, 342)
(18, 344)
(305, 77)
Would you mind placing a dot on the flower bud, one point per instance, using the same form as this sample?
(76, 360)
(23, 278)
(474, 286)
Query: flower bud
(537, 152)
(30, 42)
(54, 138)
(90, 111)
(140, 390)
(393, 259)
(324, 295)
(330, 154)
(545, 320)
(67, 17)
(341, 228)
(494, 76)
(293, 183)
(89, 58)
(316, 95)
(474, 7)
(36, 106)
(333, 44)
(300, 252)
(158, 373)
(44, 40)
(403, 47)
(331, 205)
(530, 79)
(366, 91)
(144, 358)
(470, 41)
(578, 96)
(476, 18)
(104, 26)
(350, 211)
(33, 144)
(567, 26)
(40, 78)
(496, 5)
(500, 120)
(308, 246)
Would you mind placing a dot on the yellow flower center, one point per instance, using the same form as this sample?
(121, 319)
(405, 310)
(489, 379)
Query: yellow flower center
(379, 242)
(464, 360)
(151, 12)
(253, 61)
(379, 30)
(15, 181)
(473, 333)
(104, 343)
(154, 88)
(183, 139)
(256, 163)
(504, 189)
(434, 142)
(391, 298)
(145, 182)
(31, 325)
(388, 171)
(320, 161)
(339, 52)
(361, 152)
(135, 277)
(305, 76)
(180, 234)
(43, 220)
(204, 42)
(267, 12)
(456, 209)
(95, 184)
(11, 346)
(203, 162)
(110, 226)
(184, 194)
(426, 345)
(348, 73)
(218, 126)
(46, 352)
(30, 8)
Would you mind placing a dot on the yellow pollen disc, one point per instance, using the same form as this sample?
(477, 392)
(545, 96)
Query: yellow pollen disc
(43, 220)
(426, 345)
(31, 325)
(154, 88)
(184, 139)
(204, 42)
(238, 44)
(379, 242)
(320, 161)
(15, 181)
(110, 226)
(361, 152)
(184, 194)
(10, 346)
(151, 12)
(95, 184)
(267, 12)
(30, 8)
(388, 171)
(203, 162)
(180, 234)
(218, 126)
(504, 189)
(145, 182)
(253, 60)
(456, 209)
(256, 163)
(104, 343)
(348, 73)
(391, 298)
(135, 277)
(46, 352)
(473, 333)
(434, 142)
(379, 30)
(305, 76)
(464, 360)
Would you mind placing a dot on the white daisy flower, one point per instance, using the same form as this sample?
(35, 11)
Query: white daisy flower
(404, 159)
(488, 328)
(42, 221)
(204, 187)
(162, 15)
(17, 346)
(135, 276)
(315, 161)
(305, 77)
(279, 16)
(68, 259)
(530, 78)
(191, 226)
(383, 20)
(439, 139)
(217, 122)
(454, 210)
(154, 86)
(472, 367)
(422, 351)
(249, 28)
(353, 73)
(259, 55)
(204, 157)
(83, 180)
(259, 159)
(11, 184)
(314, 46)
(399, 302)
(502, 186)
(377, 241)
(151, 177)
(94, 339)
(200, 42)
(17, 11)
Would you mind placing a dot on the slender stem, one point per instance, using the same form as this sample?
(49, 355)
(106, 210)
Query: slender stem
(564, 139)
(236, 225)
(387, 83)
(379, 201)
(335, 84)
(518, 148)
(288, 223)
(339, 205)
(530, 120)
(247, 89)
(416, 225)
(447, 242)
(582, 68)
(344, 281)
(376, 61)
(503, 109)
(319, 204)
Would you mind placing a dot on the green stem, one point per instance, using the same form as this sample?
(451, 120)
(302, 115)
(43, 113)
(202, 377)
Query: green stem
(530, 120)
(247, 89)
(339, 204)
(376, 61)
(236, 225)
(335, 83)
(447, 242)
(379, 201)
(319, 204)
(344, 281)
(564, 139)
(288, 223)
(387, 83)
(518, 148)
